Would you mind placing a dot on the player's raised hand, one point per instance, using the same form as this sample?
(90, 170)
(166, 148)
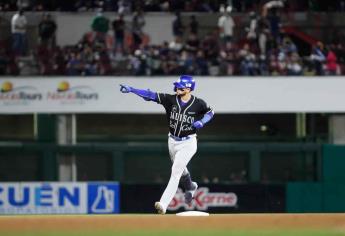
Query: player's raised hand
(125, 88)
(198, 124)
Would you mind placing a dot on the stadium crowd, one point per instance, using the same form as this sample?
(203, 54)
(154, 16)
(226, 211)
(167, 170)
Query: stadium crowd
(127, 6)
(265, 49)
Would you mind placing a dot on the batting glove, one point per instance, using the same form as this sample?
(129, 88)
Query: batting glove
(198, 124)
(125, 88)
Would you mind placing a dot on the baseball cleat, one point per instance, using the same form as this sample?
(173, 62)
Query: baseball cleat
(159, 208)
(188, 196)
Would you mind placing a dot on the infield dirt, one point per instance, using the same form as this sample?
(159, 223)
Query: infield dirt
(135, 222)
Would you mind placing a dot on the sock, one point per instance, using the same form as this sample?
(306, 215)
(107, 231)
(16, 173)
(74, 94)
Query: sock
(186, 182)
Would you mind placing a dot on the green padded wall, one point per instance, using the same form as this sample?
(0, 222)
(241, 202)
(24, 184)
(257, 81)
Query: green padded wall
(333, 167)
(304, 197)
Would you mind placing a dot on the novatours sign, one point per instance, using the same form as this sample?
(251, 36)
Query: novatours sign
(59, 198)
(10, 94)
(67, 94)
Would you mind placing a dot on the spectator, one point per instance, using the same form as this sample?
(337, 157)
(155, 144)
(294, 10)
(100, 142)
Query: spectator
(263, 65)
(252, 30)
(119, 33)
(138, 22)
(187, 60)
(294, 66)
(263, 34)
(88, 58)
(138, 63)
(227, 62)
(275, 4)
(177, 26)
(331, 63)
(104, 65)
(247, 65)
(201, 64)
(155, 62)
(192, 43)
(99, 6)
(100, 26)
(274, 23)
(44, 59)
(124, 7)
(164, 49)
(318, 58)
(193, 25)
(18, 27)
(282, 62)
(226, 26)
(289, 46)
(23, 4)
(46, 30)
(75, 65)
(210, 45)
(273, 65)
(171, 66)
(176, 45)
(59, 65)
(270, 13)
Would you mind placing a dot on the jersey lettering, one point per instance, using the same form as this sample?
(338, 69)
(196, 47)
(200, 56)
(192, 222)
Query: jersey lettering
(181, 118)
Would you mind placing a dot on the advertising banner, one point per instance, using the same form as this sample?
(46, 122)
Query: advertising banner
(59, 198)
(233, 95)
(213, 198)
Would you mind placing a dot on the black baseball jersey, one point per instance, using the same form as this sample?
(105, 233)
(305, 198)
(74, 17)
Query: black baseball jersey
(181, 117)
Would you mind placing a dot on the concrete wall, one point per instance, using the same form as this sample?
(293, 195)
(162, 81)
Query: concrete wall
(71, 26)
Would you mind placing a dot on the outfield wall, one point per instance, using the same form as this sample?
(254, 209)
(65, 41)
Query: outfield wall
(112, 198)
(18, 198)
(326, 195)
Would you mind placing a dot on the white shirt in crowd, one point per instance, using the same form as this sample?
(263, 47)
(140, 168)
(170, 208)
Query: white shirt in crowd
(227, 24)
(18, 23)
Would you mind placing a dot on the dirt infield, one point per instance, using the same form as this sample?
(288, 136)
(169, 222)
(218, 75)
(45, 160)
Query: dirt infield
(134, 222)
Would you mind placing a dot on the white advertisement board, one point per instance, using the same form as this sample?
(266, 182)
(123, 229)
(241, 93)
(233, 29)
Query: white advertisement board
(224, 94)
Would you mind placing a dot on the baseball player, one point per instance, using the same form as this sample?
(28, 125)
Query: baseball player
(186, 114)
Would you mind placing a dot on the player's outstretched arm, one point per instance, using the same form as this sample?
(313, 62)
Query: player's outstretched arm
(145, 94)
(207, 117)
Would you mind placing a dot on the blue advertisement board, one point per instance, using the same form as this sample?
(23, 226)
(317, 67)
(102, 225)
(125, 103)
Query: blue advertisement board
(103, 198)
(59, 198)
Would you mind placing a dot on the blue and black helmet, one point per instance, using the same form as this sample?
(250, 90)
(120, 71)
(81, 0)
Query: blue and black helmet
(185, 81)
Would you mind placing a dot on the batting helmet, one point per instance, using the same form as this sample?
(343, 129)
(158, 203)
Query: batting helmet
(185, 81)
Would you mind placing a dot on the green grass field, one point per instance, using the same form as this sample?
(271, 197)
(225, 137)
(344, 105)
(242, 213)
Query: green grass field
(169, 225)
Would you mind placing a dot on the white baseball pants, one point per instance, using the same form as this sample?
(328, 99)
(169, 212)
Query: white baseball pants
(181, 152)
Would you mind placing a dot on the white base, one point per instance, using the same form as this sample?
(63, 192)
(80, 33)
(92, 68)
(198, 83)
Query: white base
(193, 213)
